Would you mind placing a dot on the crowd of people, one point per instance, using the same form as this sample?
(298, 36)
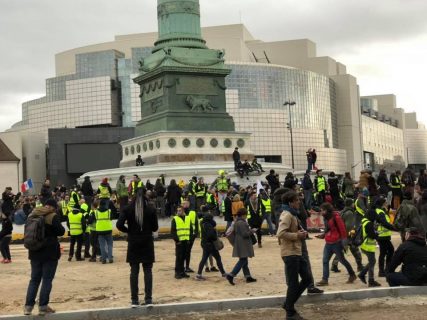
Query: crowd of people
(358, 216)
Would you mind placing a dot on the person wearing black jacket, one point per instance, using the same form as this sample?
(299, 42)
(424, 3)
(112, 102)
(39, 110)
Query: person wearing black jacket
(413, 255)
(273, 181)
(307, 186)
(384, 236)
(5, 237)
(236, 158)
(227, 204)
(256, 210)
(383, 183)
(141, 221)
(173, 197)
(87, 190)
(208, 236)
(45, 192)
(44, 261)
(7, 197)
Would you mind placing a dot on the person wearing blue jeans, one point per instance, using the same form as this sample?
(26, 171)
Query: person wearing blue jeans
(106, 247)
(41, 270)
(328, 251)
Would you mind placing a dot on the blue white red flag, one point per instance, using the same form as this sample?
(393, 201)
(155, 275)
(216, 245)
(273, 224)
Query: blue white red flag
(27, 185)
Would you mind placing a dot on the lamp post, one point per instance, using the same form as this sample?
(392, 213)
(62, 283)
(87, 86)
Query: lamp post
(289, 104)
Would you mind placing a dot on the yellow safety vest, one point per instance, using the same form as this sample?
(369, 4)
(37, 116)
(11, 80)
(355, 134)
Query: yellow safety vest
(104, 193)
(359, 209)
(71, 203)
(368, 244)
(210, 198)
(222, 184)
(75, 221)
(85, 208)
(201, 193)
(135, 186)
(92, 226)
(64, 208)
(398, 185)
(183, 228)
(103, 221)
(321, 184)
(267, 205)
(193, 217)
(383, 231)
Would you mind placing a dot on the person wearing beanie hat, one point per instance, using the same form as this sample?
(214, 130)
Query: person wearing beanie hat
(412, 254)
(104, 189)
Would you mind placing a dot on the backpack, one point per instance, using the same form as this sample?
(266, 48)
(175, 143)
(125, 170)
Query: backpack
(358, 239)
(34, 233)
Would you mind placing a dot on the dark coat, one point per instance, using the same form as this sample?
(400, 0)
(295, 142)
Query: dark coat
(87, 188)
(242, 246)
(6, 228)
(256, 213)
(236, 156)
(383, 183)
(7, 206)
(140, 241)
(413, 255)
(53, 230)
(273, 182)
(173, 194)
(208, 232)
(228, 216)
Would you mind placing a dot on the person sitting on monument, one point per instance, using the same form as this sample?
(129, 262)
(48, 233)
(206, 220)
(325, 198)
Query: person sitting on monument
(256, 166)
(239, 169)
(139, 162)
(247, 167)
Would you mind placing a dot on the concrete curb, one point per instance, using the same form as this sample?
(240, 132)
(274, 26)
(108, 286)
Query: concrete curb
(223, 305)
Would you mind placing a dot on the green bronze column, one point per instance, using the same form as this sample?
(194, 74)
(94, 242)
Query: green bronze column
(179, 24)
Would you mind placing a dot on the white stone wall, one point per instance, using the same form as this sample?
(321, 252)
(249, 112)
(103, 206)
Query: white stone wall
(9, 176)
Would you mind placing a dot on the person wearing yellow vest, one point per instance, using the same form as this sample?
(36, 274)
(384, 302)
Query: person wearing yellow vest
(84, 209)
(384, 228)
(192, 215)
(361, 206)
(104, 230)
(181, 231)
(74, 199)
(134, 185)
(76, 226)
(222, 185)
(211, 201)
(321, 186)
(266, 201)
(104, 190)
(368, 248)
(64, 207)
(396, 189)
(200, 190)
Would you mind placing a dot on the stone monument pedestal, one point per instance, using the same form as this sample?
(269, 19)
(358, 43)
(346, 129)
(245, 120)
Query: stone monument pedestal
(186, 147)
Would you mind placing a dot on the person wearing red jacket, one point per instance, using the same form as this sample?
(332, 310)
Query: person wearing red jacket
(335, 236)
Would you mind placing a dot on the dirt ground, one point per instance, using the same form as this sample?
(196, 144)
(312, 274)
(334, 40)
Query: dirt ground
(414, 308)
(84, 285)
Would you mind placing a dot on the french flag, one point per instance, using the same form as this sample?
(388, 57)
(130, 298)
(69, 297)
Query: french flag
(27, 185)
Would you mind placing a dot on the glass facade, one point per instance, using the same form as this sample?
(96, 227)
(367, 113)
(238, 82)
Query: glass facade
(384, 141)
(89, 97)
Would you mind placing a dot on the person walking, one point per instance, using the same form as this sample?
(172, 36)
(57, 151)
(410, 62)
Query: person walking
(384, 228)
(44, 261)
(181, 232)
(5, 237)
(194, 232)
(208, 237)
(348, 216)
(334, 235)
(368, 248)
(242, 246)
(227, 209)
(139, 221)
(266, 201)
(256, 211)
(290, 235)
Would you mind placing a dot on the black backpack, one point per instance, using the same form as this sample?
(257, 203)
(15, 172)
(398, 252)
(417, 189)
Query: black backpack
(34, 233)
(358, 239)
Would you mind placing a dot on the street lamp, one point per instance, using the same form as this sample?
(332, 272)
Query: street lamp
(289, 104)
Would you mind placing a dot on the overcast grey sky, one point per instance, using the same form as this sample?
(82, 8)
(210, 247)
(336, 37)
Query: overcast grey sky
(382, 42)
